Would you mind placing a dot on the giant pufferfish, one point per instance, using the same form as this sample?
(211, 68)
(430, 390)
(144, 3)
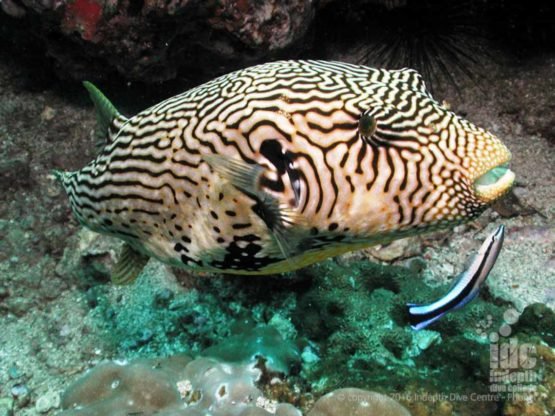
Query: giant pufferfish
(277, 166)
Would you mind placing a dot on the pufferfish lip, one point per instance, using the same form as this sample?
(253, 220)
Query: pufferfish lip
(494, 183)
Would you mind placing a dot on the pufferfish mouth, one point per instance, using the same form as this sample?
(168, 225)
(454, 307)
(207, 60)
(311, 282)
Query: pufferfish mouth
(494, 183)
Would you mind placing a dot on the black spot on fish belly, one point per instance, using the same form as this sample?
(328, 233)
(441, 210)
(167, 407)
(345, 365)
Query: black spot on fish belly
(241, 226)
(242, 256)
(188, 261)
(180, 247)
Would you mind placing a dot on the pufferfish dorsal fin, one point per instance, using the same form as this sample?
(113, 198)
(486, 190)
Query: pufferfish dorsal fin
(245, 176)
(108, 118)
(130, 264)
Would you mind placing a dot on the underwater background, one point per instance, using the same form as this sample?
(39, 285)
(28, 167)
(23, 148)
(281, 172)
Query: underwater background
(176, 343)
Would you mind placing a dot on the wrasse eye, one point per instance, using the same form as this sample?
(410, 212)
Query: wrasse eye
(367, 125)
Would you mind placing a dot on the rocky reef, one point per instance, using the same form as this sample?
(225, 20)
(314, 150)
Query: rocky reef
(274, 345)
(151, 40)
(192, 40)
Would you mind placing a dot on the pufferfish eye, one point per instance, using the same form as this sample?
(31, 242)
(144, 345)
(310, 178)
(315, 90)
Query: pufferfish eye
(367, 125)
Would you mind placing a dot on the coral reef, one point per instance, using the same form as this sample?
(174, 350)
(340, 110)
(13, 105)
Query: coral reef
(153, 41)
(341, 323)
(347, 318)
(179, 386)
(170, 386)
(119, 388)
(361, 322)
(351, 312)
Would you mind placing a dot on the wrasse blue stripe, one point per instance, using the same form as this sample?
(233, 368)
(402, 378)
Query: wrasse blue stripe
(466, 288)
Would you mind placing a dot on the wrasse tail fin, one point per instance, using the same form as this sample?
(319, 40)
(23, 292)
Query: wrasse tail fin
(108, 118)
(62, 177)
(130, 264)
(419, 320)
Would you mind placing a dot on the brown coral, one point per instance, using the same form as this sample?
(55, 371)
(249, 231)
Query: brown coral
(174, 386)
(357, 402)
(117, 389)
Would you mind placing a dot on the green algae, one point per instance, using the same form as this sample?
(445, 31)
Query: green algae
(537, 321)
(357, 314)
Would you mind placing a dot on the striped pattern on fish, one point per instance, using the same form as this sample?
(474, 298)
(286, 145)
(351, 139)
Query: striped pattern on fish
(277, 166)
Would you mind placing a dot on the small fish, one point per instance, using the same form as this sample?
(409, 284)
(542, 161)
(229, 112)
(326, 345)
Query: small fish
(466, 286)
(277, 166)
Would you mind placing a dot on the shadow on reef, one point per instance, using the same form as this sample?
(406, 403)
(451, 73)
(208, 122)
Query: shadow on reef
(329, 326)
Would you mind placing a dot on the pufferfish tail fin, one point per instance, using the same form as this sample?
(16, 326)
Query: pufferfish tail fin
(109, 121)
(62, 177)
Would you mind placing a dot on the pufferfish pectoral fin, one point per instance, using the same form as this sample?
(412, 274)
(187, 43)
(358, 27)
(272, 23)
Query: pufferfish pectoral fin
(245, 176)
(130, 264)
